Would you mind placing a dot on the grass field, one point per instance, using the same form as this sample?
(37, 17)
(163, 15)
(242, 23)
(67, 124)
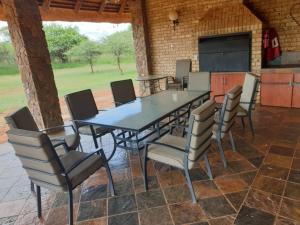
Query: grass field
(70, 79)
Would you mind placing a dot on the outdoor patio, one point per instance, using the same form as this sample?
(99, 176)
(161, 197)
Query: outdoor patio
(261, 185)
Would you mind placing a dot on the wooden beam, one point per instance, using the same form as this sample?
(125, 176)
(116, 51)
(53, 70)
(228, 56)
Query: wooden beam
(46, 4)
(102, 6)
(123, 4)
(33, 59)
(78, 5)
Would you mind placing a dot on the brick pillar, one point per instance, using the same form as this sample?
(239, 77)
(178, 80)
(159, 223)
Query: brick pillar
(140, 37)
(33, 58)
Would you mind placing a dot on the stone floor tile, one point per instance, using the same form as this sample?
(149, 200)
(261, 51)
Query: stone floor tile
(59, 216)
(268, 184)
(278, 160)
(294, 176)
(179, 193)
(157, 216)
(290, 209)
(284, 151)
(227, 220)
(150, 199)
(198, 174)
(94, 193)
(186, 212)
(216, 207)
(205, 189)
(61, 198)
(252, 216)
(170, 178)
(292, 191)
(139, 184)
(124, 219)
(232, 183)
(8, 220)
(236, 198)
(241, 166)
(274, 171)
(100, 221)
(263, 201)
(296, 164)
(121, 204)
(13, 208)
(285, 221)
(92, 209)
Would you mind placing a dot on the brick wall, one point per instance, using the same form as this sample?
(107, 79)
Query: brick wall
(212, 17)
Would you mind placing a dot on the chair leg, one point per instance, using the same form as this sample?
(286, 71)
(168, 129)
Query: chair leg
(232, 141)
(243, 122)
(80, 148)
(145, 171)
(110, 179)
(251, 124)
(70, 207)
(221, 152)
(39, 201)
(190, 185)
(207, 164)
(32, 186)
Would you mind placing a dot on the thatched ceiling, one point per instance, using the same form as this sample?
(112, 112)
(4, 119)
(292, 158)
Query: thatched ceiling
(114, 11)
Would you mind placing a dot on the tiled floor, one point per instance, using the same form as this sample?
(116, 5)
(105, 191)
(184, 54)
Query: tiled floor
(261, 185)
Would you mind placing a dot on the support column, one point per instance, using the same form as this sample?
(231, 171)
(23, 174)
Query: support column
(33, 58)
(140, 37)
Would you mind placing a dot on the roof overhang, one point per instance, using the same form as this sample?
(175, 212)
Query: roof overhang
(113, 11)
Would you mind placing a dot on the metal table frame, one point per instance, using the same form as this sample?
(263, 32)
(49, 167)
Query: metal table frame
(155, 128)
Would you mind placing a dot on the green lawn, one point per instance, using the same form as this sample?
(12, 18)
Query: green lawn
(67, 80)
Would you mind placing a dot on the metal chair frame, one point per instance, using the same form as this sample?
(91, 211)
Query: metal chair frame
(186, 150)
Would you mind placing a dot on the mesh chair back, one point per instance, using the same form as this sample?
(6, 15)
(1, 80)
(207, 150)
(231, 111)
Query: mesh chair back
(183, 67)
(81, 104)
(123, 91)
(38, 157)
(22, 119)
(199, 81)
(229, 109)
(201, 129)
(250, 89)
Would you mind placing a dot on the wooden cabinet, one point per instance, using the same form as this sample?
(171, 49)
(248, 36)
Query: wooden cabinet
(296, 91)
(221, 83)
(280, 88)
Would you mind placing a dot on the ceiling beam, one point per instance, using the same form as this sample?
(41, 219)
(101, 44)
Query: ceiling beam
(46, 4)
(102, 6)
(123, 4)
(78, 5)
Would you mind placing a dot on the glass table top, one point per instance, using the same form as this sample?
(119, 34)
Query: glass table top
(146, 111)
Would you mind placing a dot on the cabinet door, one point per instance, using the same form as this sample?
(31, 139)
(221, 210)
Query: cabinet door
(296, 91)
(233, 79)
(217, 86)
(276, 89)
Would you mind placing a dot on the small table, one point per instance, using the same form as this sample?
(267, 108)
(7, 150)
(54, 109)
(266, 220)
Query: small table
(144, 114)
(151, 82)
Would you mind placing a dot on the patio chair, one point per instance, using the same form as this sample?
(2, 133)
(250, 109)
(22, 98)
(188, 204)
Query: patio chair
(123, 91)
(199, 81)
(45, 169)
(183, 153)
(248, 99)
(179, 82)
(82, 106)
(23, 119)
(224, 119)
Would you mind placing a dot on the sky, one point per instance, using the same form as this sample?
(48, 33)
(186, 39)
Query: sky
(95, 31)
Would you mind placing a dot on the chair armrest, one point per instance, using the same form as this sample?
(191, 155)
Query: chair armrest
(166, 145)
(57, 127)
(66, 172)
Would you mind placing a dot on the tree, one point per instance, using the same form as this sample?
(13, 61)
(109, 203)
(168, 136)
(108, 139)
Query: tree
(88, 50)
(61, 39)
(118, 44)
(7, 54)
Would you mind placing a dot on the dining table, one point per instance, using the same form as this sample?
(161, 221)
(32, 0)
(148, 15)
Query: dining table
(151, 83)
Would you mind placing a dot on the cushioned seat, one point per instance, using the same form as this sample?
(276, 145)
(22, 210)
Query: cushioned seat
(183, 153)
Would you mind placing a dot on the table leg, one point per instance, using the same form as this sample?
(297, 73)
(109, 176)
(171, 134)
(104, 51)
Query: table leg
(138, 150)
